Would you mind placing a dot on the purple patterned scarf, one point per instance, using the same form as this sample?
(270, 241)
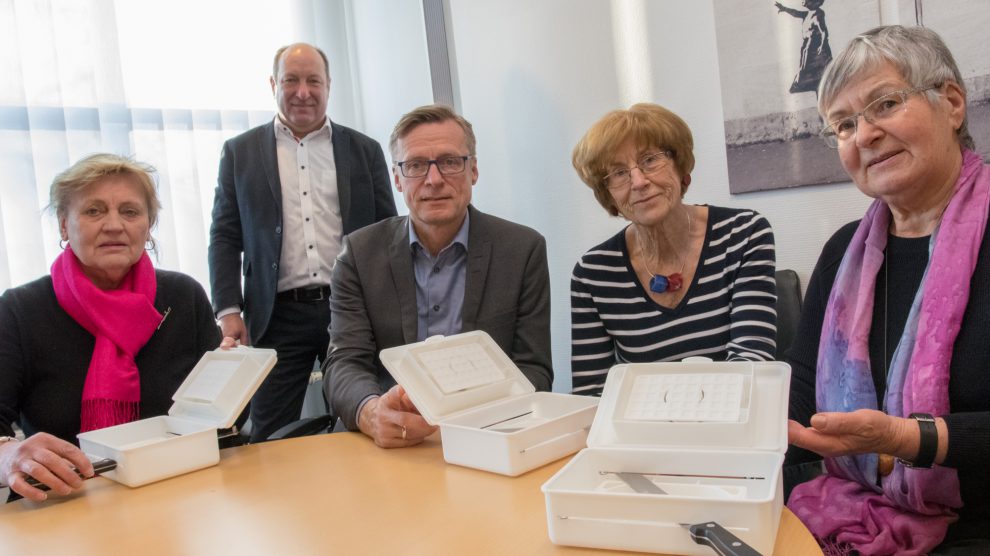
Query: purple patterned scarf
(910, 513)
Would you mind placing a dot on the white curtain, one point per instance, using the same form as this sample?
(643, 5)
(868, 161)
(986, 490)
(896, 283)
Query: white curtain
(164, 82)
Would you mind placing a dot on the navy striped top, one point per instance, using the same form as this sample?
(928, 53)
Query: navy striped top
(728, 312)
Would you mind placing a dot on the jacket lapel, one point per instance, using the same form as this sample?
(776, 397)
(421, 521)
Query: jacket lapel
(341, 159)
(269, 159)
(400, 261)
(479, 258)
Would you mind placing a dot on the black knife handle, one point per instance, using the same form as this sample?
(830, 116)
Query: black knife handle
(99, 467)
(720, 539)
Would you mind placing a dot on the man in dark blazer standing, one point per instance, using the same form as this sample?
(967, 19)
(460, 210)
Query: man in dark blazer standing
(444, 269)
(288, 192)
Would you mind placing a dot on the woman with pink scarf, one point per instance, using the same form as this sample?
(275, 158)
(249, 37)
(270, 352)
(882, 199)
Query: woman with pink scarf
(105, 338)
(891, 369)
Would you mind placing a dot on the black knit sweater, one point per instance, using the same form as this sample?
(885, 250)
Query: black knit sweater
(969, 379)
(45, 354)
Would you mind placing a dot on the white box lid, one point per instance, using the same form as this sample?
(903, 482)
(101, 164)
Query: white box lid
(220, 385)
(445, 375)
(695, 404)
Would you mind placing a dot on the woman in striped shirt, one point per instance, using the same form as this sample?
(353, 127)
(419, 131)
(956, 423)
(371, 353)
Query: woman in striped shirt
(680, 280)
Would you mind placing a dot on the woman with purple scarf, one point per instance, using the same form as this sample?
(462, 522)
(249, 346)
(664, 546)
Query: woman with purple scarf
(105, 338)
(891, 366)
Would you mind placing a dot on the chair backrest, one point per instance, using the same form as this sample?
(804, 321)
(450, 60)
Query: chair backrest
(788, 309)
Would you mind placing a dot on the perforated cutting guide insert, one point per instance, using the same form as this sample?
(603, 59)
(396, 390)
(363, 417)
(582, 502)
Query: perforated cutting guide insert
(685, 397)
(459, 368)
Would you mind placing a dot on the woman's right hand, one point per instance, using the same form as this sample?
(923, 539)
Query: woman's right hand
(48, 460)
(856, 432)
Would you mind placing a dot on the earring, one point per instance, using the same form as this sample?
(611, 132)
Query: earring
(150, 245)
(62, 243)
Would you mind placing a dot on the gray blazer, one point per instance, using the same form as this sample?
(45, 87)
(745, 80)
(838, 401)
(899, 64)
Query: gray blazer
(247, 214)
(373, 304)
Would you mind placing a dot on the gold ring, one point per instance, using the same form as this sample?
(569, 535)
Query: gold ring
(403, 432)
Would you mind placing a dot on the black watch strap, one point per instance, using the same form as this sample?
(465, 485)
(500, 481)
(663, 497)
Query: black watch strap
(928, 446)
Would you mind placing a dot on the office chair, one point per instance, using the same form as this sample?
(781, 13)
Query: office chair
(320, 419)
(788, 309)
(788, 317)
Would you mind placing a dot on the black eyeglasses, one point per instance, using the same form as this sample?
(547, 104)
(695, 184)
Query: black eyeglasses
(446, 165)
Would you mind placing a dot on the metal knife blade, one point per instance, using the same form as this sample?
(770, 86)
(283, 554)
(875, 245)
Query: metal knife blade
(719, 539)
(639, 483)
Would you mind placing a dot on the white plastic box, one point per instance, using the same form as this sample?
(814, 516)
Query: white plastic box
(490, 415)
(210, 398)
(711, 436)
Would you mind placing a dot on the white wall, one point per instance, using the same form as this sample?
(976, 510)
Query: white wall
(533, 76)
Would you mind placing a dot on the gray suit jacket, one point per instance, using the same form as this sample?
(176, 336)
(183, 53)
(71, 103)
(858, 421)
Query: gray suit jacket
(373, 304)
(247, 214)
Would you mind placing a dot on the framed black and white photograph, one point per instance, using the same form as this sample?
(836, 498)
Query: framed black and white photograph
(771, 57)
(963, 25)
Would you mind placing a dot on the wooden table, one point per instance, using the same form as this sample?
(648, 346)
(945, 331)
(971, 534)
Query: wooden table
(329, 494)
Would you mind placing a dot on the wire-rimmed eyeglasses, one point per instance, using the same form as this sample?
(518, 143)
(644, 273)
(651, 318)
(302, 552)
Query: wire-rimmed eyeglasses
(648, 164)
(882, 108)
(446, 165)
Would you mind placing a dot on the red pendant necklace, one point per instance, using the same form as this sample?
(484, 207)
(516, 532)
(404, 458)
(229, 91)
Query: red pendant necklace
(660, 283)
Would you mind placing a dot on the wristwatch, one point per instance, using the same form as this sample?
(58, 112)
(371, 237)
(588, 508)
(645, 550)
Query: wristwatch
(928, 445)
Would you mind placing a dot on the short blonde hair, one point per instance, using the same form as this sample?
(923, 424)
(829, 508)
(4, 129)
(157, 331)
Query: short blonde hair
(430, 114)
(648, 125)
(95, 167)
(281, 52)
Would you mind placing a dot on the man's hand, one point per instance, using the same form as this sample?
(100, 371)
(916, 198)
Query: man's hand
(232, 326)
(392, 420)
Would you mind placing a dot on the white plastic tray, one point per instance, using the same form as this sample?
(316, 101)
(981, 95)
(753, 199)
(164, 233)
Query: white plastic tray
(490, 415)
(711, 436)
(212, 396)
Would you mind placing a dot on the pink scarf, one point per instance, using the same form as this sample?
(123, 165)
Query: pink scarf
(912, 509)
(122, 321)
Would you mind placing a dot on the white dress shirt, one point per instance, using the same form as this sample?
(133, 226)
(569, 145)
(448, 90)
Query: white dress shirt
(311, 223)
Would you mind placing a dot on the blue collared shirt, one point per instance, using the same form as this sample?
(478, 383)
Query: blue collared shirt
(440, 284)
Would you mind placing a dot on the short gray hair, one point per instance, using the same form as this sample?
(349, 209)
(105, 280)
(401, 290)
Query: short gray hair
(919, 54)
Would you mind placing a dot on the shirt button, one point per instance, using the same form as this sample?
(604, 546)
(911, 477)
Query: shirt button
(310, 246)
(305, 192)
(436, 308)
(275, 266)
(278, 229)
(307, 219)
(303, 167)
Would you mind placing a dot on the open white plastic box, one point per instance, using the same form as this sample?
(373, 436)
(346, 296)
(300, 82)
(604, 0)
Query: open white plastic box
(490, 415)
(211, 398)
(711, 436)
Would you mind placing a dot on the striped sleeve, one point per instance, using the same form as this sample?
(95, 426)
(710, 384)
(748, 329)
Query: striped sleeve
(592, 348)
(753, 329)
